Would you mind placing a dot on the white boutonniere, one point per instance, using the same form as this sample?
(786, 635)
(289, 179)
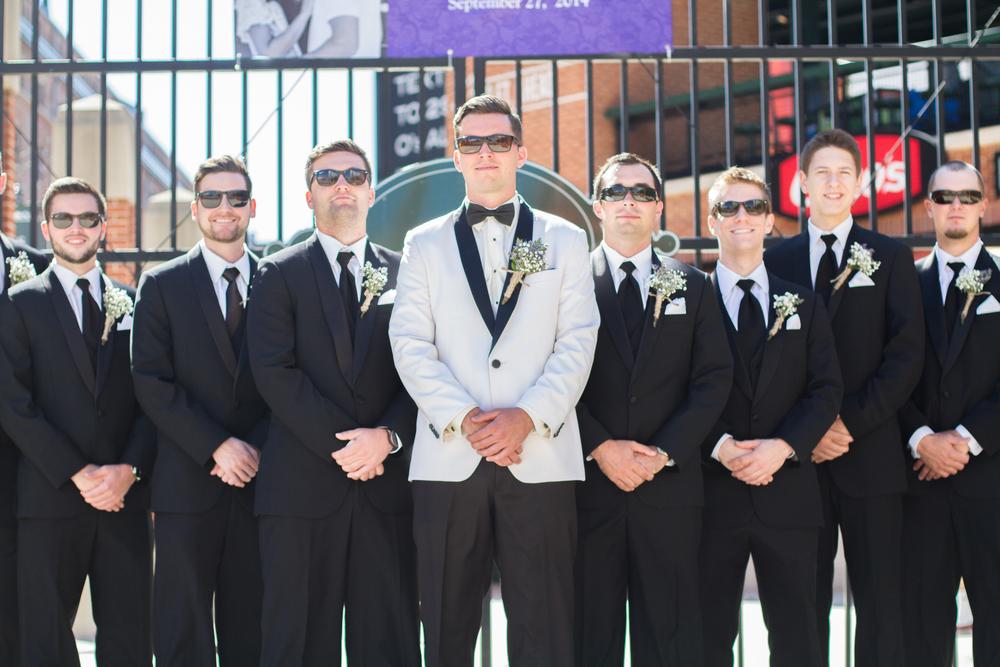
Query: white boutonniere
(663, 284)
(785, 305)
(861, 260)
(21, 268)
(526, 257)
(373, 282)
(117, 304)
(972, 284)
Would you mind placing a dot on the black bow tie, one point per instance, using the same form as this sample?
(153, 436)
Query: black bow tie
(503, 214)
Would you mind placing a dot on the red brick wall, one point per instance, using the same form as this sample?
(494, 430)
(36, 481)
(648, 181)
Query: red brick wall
(121, 234)
(7, 205)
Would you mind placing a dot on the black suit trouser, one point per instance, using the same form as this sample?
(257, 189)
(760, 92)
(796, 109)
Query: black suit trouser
(872, 530)
(648, 555)
(947, 537)
(200, 559)
(358, 558)
(8, 555)
(530, 532)
(784, 560)
(54, 559)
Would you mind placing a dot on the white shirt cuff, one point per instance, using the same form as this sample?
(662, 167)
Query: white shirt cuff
(718, 445)
(974, 447)
(541, 428)
(671, 463)
(454, 427)
(917, 436)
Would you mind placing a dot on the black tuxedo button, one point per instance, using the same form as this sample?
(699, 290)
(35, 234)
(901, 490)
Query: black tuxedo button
(496, 363)
(946, 394)
(633, 399)
(755, 417)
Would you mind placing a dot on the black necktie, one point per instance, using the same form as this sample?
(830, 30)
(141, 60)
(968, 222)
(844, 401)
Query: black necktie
(827, 269)
(952, 298)
(234, 308)
(93, 320)
(504, 214)
(348, 290)
(631, 303)
(750, 329)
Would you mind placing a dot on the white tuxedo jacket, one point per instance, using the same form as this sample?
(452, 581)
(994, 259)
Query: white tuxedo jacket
(449, 359)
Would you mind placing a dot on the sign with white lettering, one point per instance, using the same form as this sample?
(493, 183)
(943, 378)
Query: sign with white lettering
(413, 119)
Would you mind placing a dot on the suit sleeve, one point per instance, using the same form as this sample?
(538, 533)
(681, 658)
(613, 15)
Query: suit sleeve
(592, 432)
(140, 451)
(815, 411)
(166, 402)
(886, 390)
(287, 389)
(983, 421)
(46, 446)
(708, 387)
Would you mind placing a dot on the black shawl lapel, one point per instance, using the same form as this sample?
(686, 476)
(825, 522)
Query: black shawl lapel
(607, 304)
(473, 266)
(523, 232)
(71, 330)
(772, 345)
(961, 332)
(333, 308)
(837, 297)
(201, 285)
(930, 289)
(650, 334)
(741, 377)
(366, 322)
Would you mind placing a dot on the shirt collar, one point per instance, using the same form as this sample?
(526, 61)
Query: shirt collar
(68, 278)
(333, 246)
(728, 278)
(643, 259)
(840, 231)
(968, 257)
(515, 200)
(217, 265)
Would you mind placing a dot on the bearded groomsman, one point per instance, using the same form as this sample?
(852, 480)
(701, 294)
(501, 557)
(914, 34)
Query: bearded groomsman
(951, 526)
(192, 377)
(657, 386)
(82, 494)
(761, 495)
(869, 286)
(493, 335)
(334, 507)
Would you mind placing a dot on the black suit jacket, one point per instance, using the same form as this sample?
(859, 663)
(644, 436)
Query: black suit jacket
(317, 385)
(960, 383)
(58, 413)
(193, 386)
(667, 397)
(797, 396)
(878, 332)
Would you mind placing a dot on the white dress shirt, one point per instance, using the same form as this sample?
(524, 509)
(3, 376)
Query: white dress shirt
(73, 292)
(945, 275)
(817, 246)
(643, 261)
(217, 265)
(333, 247)
(494, 241)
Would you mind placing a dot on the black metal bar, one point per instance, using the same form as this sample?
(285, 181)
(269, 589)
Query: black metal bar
(421, 118)
(244, 120)
(479, 75)
(69, 90)
(903, 123)
(873, 160)
(831, 36)
(33, 226)
(800, 122)
(281, 153)
(458, 83)
(315, 105)
(765, 88)
(518, 92)
(727, 74)
(939, 112)
(623, 103)
(658, 120)
(350, 102)
(173, 160)
(588, 75)
(208, 84)
(103, 148)
(137, 201)
(554, 66)
(970, 21)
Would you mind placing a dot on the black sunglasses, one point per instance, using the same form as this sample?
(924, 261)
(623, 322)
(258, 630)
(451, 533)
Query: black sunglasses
(213, 198)
(964, 196)
(729, 208)
(352, 175)
(61, 220)
(640, 193)
(497, 143)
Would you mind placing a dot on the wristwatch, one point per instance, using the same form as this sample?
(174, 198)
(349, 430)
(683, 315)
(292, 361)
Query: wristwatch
(394, 440)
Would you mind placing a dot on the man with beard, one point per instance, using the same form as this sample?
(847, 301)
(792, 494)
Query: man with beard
(333, 503)
(69, 406)
(192, 377)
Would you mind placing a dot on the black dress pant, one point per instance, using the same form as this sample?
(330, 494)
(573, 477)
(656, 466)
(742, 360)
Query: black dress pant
(8, 555)
(529, 530)
(55, 557)
(648, 555)
(203, 559)
(947, 536)
(358, 557)
(784, 560)
(872, 529)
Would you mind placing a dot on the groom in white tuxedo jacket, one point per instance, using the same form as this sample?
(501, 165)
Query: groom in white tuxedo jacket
(496, 362)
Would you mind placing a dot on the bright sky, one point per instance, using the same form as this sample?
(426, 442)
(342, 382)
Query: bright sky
(262, 98)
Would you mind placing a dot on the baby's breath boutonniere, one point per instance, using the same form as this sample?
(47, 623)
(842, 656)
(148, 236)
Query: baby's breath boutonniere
(526, 257)
(21, 268)
(663, 284)
(117, 304)
(785, 305)
(972, 284)
(373, 282)
(862, 260)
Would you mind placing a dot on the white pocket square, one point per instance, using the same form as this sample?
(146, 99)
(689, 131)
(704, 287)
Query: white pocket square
(793, 323)
(387, 297)
(861, 280)
(675, 307)
(125, 323)
(991, 305)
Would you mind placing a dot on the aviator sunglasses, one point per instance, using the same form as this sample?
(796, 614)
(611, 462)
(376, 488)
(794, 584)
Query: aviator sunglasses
(352, 175)
(497, 143)
(964, 196)
(62, 220)
(213, 198)
(640, 193)
(729, 208)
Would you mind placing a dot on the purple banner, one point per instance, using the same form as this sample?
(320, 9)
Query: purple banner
(429, 28)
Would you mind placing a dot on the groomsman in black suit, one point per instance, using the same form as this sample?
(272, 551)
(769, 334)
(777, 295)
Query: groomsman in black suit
(761, 495)
(68, 404)
(192, 377)
(869, 286)
(657, 386)
(9, 250)
(951, 526)
(332, 497)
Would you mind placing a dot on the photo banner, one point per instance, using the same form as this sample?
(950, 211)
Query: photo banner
(500, 28)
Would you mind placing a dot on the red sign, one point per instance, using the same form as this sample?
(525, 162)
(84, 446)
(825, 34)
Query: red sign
(890, 179)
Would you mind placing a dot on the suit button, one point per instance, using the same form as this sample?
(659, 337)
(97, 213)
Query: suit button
(496, 363)
(100, 413)
(946, 394)
(755, 417)
(633, 399)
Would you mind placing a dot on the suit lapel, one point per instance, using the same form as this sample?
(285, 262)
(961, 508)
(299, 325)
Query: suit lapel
(607, 303)
(961, 332)
(838, 296)
(772, 346)
(473, 267)
(800, 271)
(243, 358)
(930, 288)
(649, 333)
(201, 281)
(740, 376)
(7, 250)
(524, 232)
(105, 351)
(333, 307)
(71, 330)
(366, 322)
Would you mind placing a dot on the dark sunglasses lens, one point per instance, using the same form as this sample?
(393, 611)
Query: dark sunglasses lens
(970, 196)
(614, 193)
(210, 198)
(61, 220)
(89, 220)
(755, 206)
(355, 176)
(325, 177)
(238, 198)
(641, 193)
(500, 143)
(943, 196)
(469, 144)
(727, 209)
